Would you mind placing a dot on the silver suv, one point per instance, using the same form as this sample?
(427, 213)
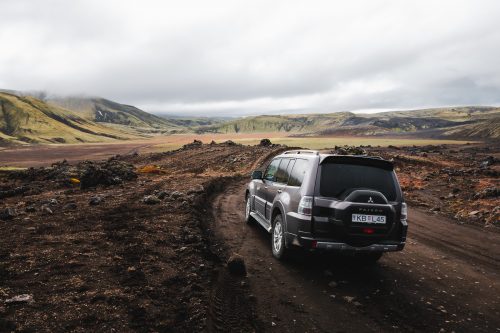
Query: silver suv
(351, 204)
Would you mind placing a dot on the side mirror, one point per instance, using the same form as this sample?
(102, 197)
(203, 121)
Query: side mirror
(257, 174)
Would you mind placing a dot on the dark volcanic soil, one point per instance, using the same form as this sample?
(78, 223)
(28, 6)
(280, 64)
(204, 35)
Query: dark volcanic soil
(460, 182)
(121, 264)
(148, 253)
(445, 280)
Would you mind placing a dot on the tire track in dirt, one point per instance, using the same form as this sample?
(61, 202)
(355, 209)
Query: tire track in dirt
(429, 286)
(478, 246)
(269, 280)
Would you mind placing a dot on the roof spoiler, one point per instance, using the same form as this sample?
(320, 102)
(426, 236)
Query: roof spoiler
(376, 162)
(302, 151)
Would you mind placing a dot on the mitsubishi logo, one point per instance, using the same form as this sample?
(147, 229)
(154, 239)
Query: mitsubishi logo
(370, 200)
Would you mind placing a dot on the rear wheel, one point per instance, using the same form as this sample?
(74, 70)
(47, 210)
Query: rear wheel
(278, 238)
(248, 209)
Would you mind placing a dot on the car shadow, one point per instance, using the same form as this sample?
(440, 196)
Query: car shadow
(344, 269)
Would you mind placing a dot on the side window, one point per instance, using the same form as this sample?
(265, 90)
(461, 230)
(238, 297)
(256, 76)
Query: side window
(290, 166)
(281, 174)
(271, 169)
(298, 171)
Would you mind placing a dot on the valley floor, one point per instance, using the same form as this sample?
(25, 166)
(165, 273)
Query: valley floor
(40, 155)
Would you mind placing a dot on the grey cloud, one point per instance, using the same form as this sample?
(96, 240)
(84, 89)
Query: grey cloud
(233, 57)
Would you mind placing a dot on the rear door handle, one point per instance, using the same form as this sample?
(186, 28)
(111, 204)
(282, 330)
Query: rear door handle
(265, 187)
(279, 191)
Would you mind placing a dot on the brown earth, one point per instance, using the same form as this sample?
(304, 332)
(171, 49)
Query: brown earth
(151, 255)
(44, 155)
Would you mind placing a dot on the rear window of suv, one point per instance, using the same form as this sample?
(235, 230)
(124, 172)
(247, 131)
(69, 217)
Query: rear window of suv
(339, 179)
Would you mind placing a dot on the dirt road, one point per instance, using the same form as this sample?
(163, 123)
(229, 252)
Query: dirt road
(148, 253)
(445, 280)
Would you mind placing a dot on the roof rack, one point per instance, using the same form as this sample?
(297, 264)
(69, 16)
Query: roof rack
(302, 151)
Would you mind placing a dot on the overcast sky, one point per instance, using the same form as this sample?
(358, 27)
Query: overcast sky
(251, 57)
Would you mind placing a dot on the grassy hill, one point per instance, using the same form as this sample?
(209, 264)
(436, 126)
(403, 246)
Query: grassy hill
(466, 122)
(194, 122)
(104, 111)
(25, 119)
(280, 123)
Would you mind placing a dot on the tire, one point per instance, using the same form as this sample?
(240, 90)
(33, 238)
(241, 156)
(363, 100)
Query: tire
(248, 209)
(278, 245)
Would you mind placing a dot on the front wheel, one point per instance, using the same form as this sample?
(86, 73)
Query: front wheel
(278, 238)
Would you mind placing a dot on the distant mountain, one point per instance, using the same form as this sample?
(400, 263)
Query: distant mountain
(465, 122)
(280, 123)
(101, 110)
(25, 119)
(32, 117)
(194, 122)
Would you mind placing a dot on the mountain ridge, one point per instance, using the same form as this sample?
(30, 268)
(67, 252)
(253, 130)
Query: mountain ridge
(35, 118)
(25, 119)
(464, 122)
(104, 110)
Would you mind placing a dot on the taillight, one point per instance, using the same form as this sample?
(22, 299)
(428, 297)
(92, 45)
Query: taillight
(404, 212)
(368, 231)
(305, 205)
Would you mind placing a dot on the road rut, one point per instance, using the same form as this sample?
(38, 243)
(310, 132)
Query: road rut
(445, 280)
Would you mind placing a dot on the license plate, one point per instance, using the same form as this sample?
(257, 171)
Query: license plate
(363, 218)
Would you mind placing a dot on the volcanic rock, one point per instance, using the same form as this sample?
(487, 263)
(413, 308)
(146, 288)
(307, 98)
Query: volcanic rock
(265, 143)
(236, 265)
(96, 200)
(8, 214)
(151, 200)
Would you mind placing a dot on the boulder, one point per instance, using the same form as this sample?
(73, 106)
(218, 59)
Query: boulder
(45, 209)
(332, 284)
(30, 209)
(196, 189)
(490, 160)
(96, 200)
(265, 143)
(236, 265)
(70, 206)
(111, 172)
(490, 192)
(349, 150)
(24, 298)
(162, 195)
(8, 214)
(176, 194)
(151, 200)
(194, 144)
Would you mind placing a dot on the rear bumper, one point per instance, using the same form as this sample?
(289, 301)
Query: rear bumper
(326, 238)
(370, 248)
(331, 245)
